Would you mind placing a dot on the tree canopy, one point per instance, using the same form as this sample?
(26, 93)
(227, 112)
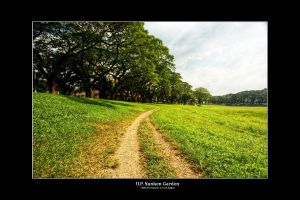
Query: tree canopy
(202, 95)
(120, 60)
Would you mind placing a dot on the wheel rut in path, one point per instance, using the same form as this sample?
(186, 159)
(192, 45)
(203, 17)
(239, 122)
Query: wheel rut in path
(182, 168)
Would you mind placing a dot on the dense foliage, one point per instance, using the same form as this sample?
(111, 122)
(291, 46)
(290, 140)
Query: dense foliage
(120, 60)
(202, 95)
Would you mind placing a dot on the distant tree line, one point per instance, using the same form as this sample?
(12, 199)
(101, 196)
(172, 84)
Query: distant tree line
(120, 60)
(252, 97)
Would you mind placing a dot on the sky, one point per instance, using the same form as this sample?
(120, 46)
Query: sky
(224, 57)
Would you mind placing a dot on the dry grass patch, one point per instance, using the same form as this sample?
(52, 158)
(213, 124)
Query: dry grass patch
(96, 158)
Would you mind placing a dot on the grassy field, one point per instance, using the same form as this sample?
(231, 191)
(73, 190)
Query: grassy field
(222, 141)
(65, 128)
(154, 160)
(76, 137)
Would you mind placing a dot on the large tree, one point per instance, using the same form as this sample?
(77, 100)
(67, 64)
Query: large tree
(54, 43)
(202, 95)
(121, 60)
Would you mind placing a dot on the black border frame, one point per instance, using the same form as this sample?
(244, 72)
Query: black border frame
(204, 186)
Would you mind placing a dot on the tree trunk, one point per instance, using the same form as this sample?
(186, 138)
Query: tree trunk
(88, 94)
(133, 97)
(88, 91)
(51, 84)
(126, 96)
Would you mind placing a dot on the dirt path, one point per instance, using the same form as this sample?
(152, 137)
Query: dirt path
(182, 168)
(128, 154)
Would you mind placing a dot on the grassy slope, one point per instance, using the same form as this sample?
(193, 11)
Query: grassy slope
(223, 141)
(62, 124)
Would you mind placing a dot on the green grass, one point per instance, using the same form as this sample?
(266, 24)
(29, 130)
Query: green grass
(62, 126)
(223, 141)
(154, 161)
(75, 137)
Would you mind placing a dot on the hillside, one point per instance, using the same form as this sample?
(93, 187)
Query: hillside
(251, 97)
(63, 125)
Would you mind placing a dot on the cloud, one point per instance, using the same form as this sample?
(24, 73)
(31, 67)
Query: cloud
(225, 57)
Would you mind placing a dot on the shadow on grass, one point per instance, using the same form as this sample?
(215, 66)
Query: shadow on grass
(103, 102)
(91, 101)
(119, 103)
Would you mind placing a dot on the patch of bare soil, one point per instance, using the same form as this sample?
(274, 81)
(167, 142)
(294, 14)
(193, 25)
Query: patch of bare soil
(128, 154)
